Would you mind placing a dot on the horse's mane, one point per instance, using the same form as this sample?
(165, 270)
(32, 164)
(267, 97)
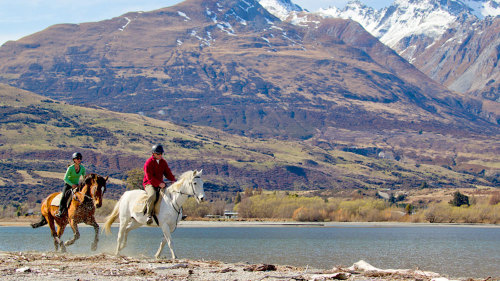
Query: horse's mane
(86, 181)
(176, 186)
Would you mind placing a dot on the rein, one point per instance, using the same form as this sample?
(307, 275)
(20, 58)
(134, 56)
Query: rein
(179, 210)
(84, 196)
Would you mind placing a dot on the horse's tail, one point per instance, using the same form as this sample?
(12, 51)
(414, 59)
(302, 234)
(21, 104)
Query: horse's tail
(42, 222)
(112, 217)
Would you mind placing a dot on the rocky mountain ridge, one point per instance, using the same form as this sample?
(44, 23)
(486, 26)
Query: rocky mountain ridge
(456, 43)
(227, 64)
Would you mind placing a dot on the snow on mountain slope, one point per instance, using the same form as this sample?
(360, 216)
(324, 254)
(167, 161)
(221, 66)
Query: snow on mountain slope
(452, 41)
(280, 8)
(402, 19)
(482, 9)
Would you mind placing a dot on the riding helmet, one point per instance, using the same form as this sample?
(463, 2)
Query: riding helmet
(157, 148)
(76, 155)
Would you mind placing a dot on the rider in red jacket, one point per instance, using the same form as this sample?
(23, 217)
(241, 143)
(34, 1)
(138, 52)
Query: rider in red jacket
(154, 169)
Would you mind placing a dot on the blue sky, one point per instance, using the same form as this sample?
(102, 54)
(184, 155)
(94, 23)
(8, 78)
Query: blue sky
(19, 18)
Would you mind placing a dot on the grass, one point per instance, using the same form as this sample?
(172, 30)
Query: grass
(133, 134)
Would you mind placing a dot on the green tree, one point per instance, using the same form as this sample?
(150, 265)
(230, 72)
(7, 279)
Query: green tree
(459, 199)
(424, 185)
(392, 199)
(248, 192)
(409, 209)
(238, 198)
(134, 178)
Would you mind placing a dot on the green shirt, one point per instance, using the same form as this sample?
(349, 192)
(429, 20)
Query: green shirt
(72, 177)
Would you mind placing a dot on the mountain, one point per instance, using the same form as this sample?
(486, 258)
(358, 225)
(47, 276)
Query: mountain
(38, 135)
(227, 64)
(319, 83)
(280, 8)
(456, 43)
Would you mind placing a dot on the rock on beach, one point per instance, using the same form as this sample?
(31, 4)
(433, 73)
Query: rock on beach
(58, 266)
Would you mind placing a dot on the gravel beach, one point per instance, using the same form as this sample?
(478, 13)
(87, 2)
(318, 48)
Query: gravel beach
(58, 266)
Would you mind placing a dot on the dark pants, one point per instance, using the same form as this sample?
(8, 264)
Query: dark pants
(66, 193)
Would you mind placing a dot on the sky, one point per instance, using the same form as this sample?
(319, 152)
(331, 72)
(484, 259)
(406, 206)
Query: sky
(19, 18)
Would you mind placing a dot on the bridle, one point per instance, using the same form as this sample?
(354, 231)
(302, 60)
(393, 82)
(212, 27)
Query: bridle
(179, 210)
(192, 188)
(91, 196)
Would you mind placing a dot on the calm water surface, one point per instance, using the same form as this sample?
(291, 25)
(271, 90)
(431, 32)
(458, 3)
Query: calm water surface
(452, 250)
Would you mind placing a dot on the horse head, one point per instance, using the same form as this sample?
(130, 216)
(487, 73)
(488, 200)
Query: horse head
(197, 185)
(98, 189)
(189, 183)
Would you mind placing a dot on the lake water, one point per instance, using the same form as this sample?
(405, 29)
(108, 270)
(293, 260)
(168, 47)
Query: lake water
(455, 251)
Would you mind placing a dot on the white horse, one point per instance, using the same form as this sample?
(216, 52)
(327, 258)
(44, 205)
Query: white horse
(130, 209)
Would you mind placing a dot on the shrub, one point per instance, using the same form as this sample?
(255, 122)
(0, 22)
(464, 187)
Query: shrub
(459, 199)
(106, 208)
(308, 214)
(495, 198)
(438, 213)
(191, 208)
(134, 179)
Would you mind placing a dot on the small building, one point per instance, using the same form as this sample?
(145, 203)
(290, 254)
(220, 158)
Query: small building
(230, 215)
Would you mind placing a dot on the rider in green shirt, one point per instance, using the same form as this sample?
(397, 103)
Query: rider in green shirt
(71, 180)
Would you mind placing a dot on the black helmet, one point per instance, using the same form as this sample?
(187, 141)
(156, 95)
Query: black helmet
(76, 155)
(157, 148)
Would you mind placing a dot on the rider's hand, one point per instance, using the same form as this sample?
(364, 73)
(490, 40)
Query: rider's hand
(74, 186)
(162, 185)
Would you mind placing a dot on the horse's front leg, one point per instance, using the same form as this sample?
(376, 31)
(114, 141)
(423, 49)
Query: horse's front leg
(167, 238)
(93, 247)
(76, 233)
(58, 237)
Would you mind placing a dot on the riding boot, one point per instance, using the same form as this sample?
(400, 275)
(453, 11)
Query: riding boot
(63, 205)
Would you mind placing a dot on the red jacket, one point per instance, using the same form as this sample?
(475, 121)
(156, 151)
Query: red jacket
(154, 172)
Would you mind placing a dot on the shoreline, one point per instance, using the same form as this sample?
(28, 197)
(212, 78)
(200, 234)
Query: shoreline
(225, 223)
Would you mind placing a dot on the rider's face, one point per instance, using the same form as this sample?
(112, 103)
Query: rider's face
(157, 156)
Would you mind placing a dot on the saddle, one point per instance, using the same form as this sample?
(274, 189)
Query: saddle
(141, 206)
(56, 201)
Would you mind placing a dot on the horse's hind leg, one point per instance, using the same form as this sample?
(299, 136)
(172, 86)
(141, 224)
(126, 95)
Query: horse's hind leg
(76, 233)
(53, 232)
(122, 235)
(131, 226)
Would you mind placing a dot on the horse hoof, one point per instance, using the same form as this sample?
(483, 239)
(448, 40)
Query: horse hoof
(93, 248)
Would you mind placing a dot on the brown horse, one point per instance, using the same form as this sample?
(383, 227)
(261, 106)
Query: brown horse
(84, 201)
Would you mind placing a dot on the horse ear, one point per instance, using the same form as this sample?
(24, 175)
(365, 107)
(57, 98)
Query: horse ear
(106, 179)
(200, 171)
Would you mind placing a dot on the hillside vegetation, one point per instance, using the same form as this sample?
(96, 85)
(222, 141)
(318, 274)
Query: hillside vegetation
(38, 135)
